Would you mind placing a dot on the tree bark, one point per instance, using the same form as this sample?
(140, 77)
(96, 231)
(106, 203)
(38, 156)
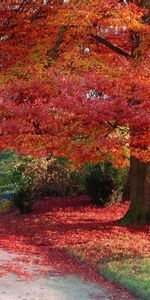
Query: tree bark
(139, 211)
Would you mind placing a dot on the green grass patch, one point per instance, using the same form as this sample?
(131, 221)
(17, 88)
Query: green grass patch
(132, 273)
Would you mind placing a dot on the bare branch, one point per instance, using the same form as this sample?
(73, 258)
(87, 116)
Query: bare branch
(111, 46)
(53, 53)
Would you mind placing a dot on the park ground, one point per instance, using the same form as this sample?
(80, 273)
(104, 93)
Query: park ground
(76, 238)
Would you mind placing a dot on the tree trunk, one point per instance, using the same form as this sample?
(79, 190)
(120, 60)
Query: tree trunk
(139, 211)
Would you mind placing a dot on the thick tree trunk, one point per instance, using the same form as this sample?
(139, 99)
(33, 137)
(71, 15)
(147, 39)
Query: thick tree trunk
(139, 211)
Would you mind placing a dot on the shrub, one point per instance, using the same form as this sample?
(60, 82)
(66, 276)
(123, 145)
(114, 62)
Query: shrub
(7, 161)
(58, 176)
(7, 154)
(43, 176)
(77, 182)
(5, 206)
(99, 184)
(52, 176)
(104, 184)
(22, 180)
(23, 199)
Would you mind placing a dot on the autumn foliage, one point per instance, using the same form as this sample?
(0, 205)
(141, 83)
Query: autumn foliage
(54, 53)
(73, 224)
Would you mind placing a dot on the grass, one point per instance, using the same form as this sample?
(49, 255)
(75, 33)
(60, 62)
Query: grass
(132, 273)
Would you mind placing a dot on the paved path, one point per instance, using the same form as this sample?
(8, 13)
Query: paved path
(50, 286)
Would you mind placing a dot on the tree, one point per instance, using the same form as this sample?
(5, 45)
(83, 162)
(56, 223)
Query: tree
(52, 56)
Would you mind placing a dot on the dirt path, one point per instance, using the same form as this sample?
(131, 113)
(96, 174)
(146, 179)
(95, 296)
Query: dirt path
(46, 284)
(44, 267)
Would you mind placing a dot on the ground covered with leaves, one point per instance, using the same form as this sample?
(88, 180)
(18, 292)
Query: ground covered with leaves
(66, 231)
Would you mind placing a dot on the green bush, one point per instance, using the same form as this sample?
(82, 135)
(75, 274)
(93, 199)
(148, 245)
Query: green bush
(5, 206)
(22, 179)
(99, 185)
(28, 178)
(58, 176)
(45, 176)
(7, 162)
(7, 154)
(77, 182)
(104, 184)
(23, 199)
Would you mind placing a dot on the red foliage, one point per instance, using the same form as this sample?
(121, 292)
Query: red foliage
(42, 112)
(58, 225)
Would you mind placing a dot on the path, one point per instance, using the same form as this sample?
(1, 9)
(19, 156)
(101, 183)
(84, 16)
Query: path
(45, 286)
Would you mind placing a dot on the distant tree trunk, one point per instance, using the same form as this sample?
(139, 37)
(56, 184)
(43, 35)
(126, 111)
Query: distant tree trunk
(139, 211)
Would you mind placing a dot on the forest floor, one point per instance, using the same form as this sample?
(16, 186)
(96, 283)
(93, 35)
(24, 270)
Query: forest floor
(77, 239)
(37, 281)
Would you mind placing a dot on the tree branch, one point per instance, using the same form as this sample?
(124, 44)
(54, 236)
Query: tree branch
(53, 53)
(111, 46)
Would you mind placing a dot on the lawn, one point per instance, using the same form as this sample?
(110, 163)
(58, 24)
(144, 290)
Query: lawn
(87, 233)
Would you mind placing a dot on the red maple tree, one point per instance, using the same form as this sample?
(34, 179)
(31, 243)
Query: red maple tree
(75, 82)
